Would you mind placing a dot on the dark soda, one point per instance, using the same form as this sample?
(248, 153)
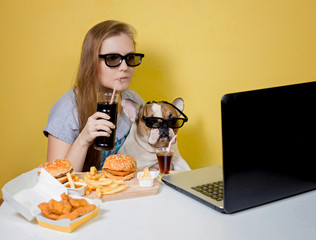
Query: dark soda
(164, 161)
(107, 143)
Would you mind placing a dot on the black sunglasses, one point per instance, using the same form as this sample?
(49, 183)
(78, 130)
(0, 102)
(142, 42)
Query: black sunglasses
(115, 59)
(157, 122)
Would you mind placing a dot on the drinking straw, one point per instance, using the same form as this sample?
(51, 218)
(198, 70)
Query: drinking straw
(171, 141)
(114, 89)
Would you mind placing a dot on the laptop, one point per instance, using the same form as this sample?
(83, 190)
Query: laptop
(269, 150)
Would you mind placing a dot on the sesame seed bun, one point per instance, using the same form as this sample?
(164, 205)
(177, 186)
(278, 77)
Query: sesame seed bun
(58, 168)
(120, 166)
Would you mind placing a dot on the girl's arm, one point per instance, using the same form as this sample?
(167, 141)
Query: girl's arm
(76, 152)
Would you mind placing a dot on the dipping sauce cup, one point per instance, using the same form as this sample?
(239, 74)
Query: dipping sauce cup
(78, 190)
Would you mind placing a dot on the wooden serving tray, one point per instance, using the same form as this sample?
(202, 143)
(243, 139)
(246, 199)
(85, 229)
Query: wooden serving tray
(132, 191)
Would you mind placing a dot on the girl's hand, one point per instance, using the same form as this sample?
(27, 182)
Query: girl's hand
(98, 121)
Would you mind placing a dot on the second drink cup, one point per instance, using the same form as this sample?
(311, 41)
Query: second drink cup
(164, 160)
(104, 105)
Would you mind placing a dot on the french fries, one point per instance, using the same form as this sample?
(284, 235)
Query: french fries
(99, 183)
(146, 173)
(71, 182)
(112, 190)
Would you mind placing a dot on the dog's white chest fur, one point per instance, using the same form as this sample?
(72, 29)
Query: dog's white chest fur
(143, 153)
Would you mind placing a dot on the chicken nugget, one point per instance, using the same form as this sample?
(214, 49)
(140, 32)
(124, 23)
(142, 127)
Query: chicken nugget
(65, 201)
(78, 212)
(76, 203)
(46, 212)
(72, 216)
(84, 210)
(59, 208)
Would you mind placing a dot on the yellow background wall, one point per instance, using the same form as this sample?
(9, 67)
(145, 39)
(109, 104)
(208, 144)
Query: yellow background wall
(196, 49)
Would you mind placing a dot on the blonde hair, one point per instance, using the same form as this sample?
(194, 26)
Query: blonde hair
(87, 82)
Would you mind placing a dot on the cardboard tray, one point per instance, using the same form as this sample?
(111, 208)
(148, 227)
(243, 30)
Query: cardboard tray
(29, 189)
(65, 225)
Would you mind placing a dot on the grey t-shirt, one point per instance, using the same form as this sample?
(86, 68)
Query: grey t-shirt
(63, 121)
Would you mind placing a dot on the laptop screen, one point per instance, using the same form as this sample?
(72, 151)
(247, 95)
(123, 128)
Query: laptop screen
(269, 144)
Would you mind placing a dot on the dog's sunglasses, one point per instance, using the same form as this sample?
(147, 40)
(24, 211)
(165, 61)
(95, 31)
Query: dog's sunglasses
(157, 122)
(115, 59)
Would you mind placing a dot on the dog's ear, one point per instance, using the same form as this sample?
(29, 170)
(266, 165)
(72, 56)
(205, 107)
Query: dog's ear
(131, 109)
(179, 103)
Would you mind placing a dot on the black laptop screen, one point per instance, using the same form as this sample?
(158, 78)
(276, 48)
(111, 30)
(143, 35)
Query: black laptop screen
(269, 143)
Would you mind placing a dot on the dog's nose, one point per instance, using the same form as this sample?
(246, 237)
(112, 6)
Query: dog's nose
(164, 132)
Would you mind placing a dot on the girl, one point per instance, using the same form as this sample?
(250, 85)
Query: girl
(108, 56)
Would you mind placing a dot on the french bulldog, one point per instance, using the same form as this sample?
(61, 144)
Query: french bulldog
(151, 130)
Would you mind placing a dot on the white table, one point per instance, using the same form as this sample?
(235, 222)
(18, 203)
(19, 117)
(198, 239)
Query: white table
(172, 215)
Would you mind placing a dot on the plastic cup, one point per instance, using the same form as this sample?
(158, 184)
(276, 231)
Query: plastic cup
(164, 158)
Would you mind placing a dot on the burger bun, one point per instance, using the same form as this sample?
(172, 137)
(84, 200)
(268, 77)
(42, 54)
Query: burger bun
(58, 168)
(120, 167)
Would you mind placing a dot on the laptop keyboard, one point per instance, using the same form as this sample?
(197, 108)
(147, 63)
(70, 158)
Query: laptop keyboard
(213, 190)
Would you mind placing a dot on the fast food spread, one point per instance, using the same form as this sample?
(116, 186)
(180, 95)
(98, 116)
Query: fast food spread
(117, 174)
(98, 185)
(116, 169)
(67, 208)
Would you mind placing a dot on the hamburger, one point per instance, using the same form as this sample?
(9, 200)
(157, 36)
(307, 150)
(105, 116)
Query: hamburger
(58, 168)
(120, 167)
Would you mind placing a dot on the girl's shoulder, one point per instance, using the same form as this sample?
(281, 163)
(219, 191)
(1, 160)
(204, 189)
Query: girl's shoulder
(65, 103)
(63, 118)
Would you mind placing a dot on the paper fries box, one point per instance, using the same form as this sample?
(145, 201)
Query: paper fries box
(28, 190)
